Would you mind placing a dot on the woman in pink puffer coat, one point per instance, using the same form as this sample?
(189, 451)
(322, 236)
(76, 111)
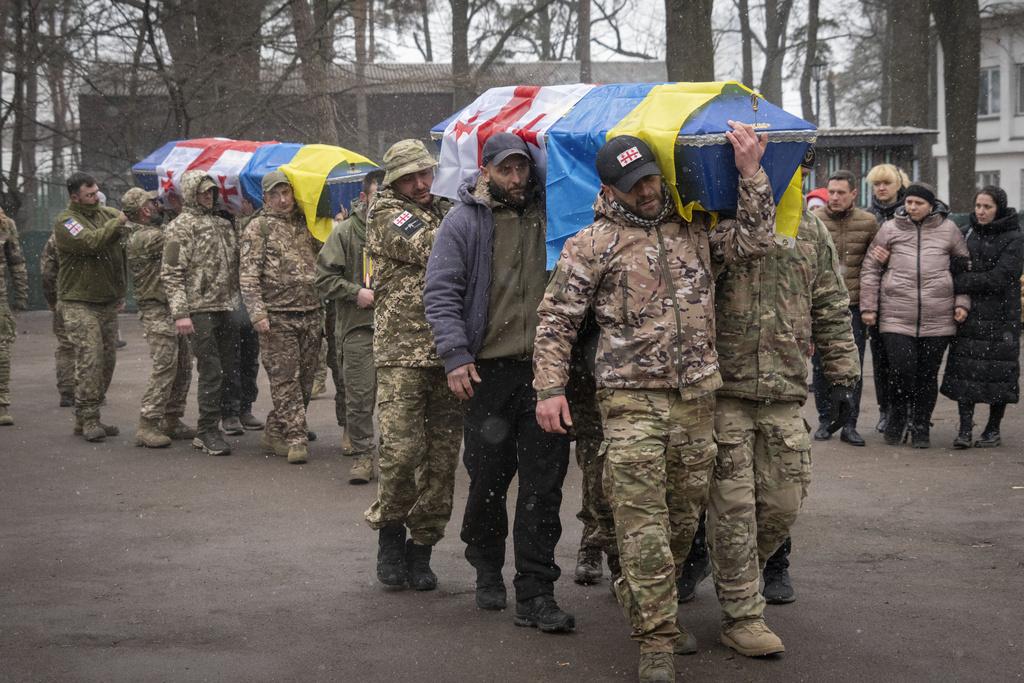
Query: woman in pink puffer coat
(907, 288)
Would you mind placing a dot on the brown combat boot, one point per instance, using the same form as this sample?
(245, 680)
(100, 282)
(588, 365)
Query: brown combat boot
(273, 444)
(5, 417)
(362, 470)
(91, 430)
(297, 453)
(149, 435)
(657, 667)
(108, 430)
(177, 430)
(752, 638)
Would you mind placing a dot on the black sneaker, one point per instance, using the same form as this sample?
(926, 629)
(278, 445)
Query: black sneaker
(212, 443)
(822, 434)
(778, 589)
(962, 440)
(543, 613)
(988, 440)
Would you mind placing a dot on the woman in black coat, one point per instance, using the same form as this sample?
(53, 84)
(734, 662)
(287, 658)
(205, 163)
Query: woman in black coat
(983, 365)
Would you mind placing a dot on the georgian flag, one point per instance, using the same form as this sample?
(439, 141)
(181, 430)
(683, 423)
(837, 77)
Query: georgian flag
(528, 111)
(223, 159)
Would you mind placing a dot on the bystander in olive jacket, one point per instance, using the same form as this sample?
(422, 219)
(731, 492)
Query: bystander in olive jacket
(341, 271)
(92, 261)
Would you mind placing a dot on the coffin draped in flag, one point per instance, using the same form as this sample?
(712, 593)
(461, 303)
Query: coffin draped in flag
(325, 178)
(685, 124)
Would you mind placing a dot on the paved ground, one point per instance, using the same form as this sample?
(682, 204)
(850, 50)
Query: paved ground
(119, 563)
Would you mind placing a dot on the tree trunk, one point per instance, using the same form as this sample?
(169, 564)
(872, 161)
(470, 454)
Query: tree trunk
(887, 58)
(462, 90)
(428, 53)
(959, 27)
(831, 100)
(689, 45)
(583, 40)
(314, 74)
(30, 112)
(810, 58)
(776, 21)
(908, 82)
(359, 17)
(746, 42)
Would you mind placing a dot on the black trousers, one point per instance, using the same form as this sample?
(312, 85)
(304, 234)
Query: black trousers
(822, 388)
(215, 346)
(880, 364)
(913, 378)
(502, 437)
(239, 390)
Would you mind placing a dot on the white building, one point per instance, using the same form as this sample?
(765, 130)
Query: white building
(1000, 150)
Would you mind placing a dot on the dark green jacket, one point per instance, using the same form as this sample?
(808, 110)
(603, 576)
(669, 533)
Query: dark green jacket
(340, 272)
(92, 262)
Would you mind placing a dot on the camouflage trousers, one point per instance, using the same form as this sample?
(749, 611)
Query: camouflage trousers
(358, 389)
(7, 335)
(420, 434)
(290, 350)
(92, 329)
(760, 481)
(659, 451)
(595, 513)
(64, 356)
(172, 364)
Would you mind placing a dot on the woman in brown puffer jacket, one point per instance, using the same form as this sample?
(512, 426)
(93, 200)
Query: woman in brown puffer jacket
(914, 304)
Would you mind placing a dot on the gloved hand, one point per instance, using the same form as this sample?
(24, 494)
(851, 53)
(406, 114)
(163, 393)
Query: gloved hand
(841, 400)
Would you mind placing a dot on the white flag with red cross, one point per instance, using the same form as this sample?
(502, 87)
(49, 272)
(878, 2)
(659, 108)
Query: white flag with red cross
(223, 161)
(170, 170)
(526, 110)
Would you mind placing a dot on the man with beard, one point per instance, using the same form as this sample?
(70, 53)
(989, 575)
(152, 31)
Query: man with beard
(485, 278)
(163, 404)
(647, 273)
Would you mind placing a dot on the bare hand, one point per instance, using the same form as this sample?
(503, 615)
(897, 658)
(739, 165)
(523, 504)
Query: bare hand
(364, 299)
(262, 326)
(122, 218)
(747, 146)
(184, 326)
(869, 318)
(960, 314)
(553, 413)
(880, 254)
(460, 381)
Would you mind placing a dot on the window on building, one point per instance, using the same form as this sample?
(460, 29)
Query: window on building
(988, 94)
(983, 178)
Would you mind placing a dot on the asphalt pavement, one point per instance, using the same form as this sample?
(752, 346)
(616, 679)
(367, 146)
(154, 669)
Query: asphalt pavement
(119, 563)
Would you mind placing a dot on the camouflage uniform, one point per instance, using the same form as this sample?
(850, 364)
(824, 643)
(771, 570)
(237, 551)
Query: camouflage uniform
(13, 259)
(651, 290)
(64, 356)
(172, 364)
(340, 276)
(199, 273)
(277, 273)
(90, 288)
(770, 313)
(420, 419)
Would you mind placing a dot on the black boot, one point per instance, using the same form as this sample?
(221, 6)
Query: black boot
(964, 436)
(417, 560)
(919, 436)
(778, 589)
(544, 613)
(695, 568)
(490, 589)
(883, 420)
(988, 439)
(895, 427)
(391, 570)
(588, 565)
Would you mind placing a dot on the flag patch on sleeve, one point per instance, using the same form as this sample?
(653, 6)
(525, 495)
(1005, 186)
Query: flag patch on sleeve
(407, 224)
(73, 226)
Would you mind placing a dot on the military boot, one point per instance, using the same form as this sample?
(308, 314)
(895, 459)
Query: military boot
(297, 453)
(588, 565)
(212, 443)
(543, 613)
(149, 435)
(686, 643)
(67, 400)
(657, 667)
(391, 569)
(177, 430)
(91, 430)
(417, 560)
(5, 417)
(778, 588)
(752, 638)
(362, 470)
(490, 589)
(232, 426)
(250, 421)
(274, 444)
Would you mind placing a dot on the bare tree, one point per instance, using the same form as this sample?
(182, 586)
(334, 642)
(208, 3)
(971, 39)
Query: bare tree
(746, 42)
(908, 57)
(689, 47)
(314, 72)
(776, 19)
(810, 59)
(583, 40)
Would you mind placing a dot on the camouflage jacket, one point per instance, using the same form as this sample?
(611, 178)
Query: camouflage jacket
(399, 236)
(200, 263)
(49, 267)
(10, 252)
(772, 310)
(342, 270)
(277, 265)
(652, 292)
(92, 264)
(145, 253)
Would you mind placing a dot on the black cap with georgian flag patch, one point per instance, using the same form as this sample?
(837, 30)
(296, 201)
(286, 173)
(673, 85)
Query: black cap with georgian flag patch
(625, 160)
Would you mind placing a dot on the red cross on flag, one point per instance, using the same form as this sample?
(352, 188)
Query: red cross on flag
(178, 161)
(224, 161)
(629, 156)
(528, 111)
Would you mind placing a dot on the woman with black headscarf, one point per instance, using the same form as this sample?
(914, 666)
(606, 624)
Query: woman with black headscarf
(983, 365)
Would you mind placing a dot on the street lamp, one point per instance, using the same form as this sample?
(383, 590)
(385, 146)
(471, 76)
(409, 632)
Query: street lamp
(818, 72)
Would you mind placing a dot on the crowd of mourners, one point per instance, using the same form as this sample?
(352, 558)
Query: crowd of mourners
(671, 346)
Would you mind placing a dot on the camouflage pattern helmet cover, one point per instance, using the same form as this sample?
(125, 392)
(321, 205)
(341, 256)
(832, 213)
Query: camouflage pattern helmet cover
(405, 157)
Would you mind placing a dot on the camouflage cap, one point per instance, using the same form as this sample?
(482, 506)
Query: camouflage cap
(206, 184)
(273, 179)
(135, 198)
(405, 157)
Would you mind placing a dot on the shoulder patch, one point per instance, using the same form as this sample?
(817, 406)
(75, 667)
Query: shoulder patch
(73, 226)
(407, 224)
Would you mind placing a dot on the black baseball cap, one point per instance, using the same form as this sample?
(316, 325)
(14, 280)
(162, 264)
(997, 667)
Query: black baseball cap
(625, 160)
(500, 146)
